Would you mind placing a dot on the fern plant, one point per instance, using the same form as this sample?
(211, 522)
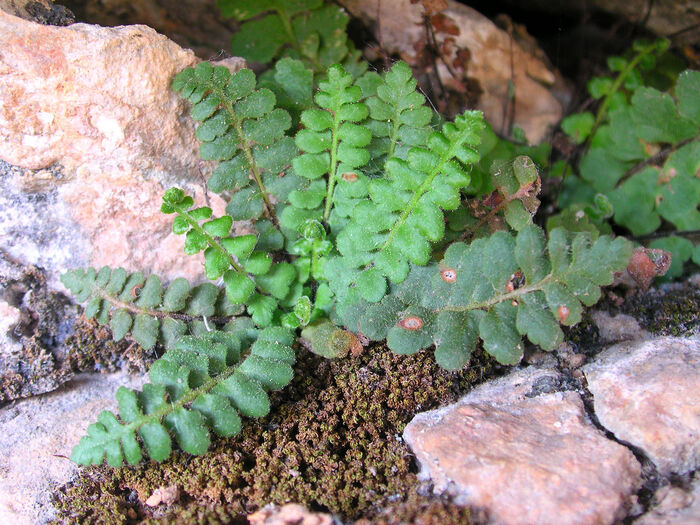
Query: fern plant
(641, 155)
(201, 384)
(349, 217)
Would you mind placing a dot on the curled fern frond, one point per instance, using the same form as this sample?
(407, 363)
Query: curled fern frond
(250, 276)
(404, 213)
(496, 289)
(202, 384)
(241, 128)
(133, 303)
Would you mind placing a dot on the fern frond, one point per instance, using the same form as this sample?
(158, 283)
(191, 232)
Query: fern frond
(398, 121)
(405, 213)
(302, 29)
(241, 128)
(399, 118)
(250, 276)
(133, 303)
(497, 289)
(202, 384)
(333, 144)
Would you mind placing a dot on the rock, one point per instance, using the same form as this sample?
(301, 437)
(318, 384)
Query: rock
(88, 114)
(490, 52)
(674, 506)
(648, 394)
(37, 438)
(289, 514)
(166, 495)
(525, 453)
(622, 327)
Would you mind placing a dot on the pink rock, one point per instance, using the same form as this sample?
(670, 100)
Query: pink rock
(674, 506)
(525, 458)
(648, 394)
(91, 108)
(289, 514)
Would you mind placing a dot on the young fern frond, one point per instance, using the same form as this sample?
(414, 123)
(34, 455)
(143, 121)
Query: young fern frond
(240, 127)
(250, 276)
(496, 289)
(399, 119)
(332, 143)
(133, 303)
(200, 385)
(404, 213)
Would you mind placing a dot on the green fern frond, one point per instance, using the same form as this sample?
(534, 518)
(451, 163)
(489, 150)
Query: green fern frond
(399, 118)
(241, 128)
(404, 213)
(133, 303)
(497, 289)
(332, 143)
(302, 29)
(249, 275)
(201, 384)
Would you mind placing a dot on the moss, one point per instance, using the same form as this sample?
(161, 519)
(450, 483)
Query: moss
(670, 310)
(332, 443)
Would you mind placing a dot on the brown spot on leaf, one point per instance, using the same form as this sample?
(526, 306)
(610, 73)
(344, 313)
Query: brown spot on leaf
(448, 275)
(136, 291)
(411, 323)
(563, 313)
(349, 176)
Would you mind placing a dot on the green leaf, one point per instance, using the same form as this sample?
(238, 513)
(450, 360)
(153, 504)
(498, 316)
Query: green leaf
(219, 227)
(145, 330)
(578, 126)
(215, 263)
(239, 287)
(501, 338)
(261, 308)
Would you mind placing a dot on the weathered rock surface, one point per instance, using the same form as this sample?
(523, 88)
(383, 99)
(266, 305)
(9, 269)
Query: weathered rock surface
(526, 453)
(622, 327)
(87, 111)
(289, 514)
(648, 394)
(674, 506)
(492, 52)
(37, 436)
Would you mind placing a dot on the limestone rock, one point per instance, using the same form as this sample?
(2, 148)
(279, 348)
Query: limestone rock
(88, 114)
(648, 394)
(674, 506)
(289, 514)
(37, 437)
(525, 453)
(491, 50)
